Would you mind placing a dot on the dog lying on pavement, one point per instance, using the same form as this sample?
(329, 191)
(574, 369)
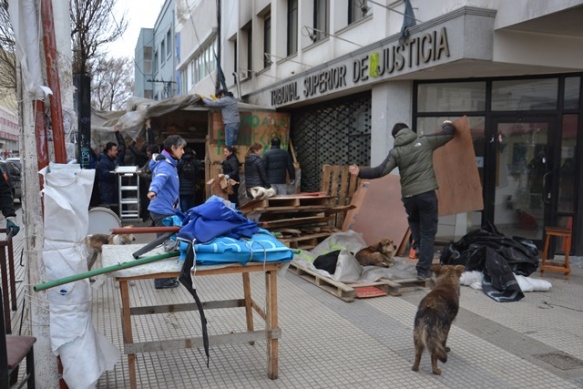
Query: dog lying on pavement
(435, 314)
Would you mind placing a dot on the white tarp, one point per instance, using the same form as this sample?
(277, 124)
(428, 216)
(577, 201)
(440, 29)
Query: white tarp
(25, 22)
(85, 354)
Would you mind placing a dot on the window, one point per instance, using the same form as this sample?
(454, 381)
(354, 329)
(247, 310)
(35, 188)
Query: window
(162, 52)
(525, 95)
(235, 62)
(202, 65)
(292, 27)
(357, 9)
(245, 51)
(267, 41)
(321, 20)
(147, 60)
(452, 96)
(168, 43)
(155, 68)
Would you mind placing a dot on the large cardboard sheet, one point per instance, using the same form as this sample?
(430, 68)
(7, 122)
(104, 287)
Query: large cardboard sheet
(456, 170)
(379, 212)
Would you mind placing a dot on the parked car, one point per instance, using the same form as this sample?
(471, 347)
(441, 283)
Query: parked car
(11, 172)
(15, 160)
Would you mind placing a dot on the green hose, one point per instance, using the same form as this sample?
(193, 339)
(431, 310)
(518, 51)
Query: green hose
(103, 270)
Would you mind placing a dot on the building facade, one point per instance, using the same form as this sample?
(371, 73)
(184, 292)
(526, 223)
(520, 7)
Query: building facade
(347, 70)
(155, 57)
(513, 68)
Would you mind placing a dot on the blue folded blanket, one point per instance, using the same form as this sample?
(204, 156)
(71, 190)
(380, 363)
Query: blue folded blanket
(261, 247)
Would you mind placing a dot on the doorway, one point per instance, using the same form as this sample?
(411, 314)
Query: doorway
(531, 176)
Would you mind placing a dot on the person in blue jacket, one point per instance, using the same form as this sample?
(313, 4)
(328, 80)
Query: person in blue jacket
(164, 190)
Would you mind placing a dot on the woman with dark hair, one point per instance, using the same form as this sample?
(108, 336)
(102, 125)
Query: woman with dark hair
(231, 170)
(255, 169)
(164, 190)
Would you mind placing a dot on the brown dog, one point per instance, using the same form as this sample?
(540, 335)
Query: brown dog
(380, 254)
(94, 244)
(435, 314)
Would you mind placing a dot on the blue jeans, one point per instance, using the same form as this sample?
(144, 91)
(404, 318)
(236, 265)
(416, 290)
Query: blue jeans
(231, 133)
(422, 216)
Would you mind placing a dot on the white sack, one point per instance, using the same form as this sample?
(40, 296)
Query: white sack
(84, 353)
(67, 192)
(347, 268)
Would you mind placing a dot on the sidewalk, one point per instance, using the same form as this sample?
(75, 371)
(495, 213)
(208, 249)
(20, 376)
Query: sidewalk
(328, 343)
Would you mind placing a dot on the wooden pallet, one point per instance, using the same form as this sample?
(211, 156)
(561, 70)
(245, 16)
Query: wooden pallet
(347, 292)
(338, 289)
(287, 203)
(306, 242)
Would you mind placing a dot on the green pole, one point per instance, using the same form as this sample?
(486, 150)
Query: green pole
(103, 270)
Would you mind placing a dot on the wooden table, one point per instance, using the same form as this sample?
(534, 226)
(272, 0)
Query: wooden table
(271, 333)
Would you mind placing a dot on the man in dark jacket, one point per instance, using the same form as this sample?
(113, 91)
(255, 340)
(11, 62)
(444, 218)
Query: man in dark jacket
(255, 169)
(188, 168)
(277, 163)
(413, 155)
(112, 156)
(7, 206)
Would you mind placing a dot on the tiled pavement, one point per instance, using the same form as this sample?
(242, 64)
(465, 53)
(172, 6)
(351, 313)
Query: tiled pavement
(328, 343)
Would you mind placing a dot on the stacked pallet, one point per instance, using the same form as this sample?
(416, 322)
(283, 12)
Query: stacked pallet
(299, 221)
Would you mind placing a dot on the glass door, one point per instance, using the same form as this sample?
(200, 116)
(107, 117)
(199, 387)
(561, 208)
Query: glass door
(526, 152)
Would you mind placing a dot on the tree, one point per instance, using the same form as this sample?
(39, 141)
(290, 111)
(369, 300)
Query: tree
(91, 28)
(7, 57)
(111, 83)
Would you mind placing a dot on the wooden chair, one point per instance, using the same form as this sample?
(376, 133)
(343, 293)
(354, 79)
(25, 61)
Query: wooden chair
(548, 264)
(13, 349)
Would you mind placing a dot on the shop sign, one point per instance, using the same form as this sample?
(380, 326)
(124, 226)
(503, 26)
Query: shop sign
(390, 60)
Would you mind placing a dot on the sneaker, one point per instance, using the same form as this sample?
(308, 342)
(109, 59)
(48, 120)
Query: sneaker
(422, 276)
(173, 283)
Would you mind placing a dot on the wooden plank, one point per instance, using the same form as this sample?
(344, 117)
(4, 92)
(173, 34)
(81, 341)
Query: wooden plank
(456, 170)
(326, 177)
(379, 212)
(306, 220)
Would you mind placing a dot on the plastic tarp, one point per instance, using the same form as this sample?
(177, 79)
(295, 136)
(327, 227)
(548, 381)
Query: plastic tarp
(85, 354)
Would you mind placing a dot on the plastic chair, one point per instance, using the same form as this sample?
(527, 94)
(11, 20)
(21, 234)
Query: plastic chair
(13, 350)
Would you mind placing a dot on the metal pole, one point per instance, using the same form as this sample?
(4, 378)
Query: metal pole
(103, 270)
(52, 67)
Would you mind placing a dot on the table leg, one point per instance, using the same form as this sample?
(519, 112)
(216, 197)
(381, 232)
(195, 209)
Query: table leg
(6, 289)
(126, 323)
(271, 324)
(248, 303)
(12, 275)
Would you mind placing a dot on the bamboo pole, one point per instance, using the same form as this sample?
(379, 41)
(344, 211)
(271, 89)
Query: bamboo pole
(103, 270)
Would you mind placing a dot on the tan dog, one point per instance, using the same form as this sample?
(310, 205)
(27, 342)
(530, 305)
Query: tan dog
(435, 314)
(94, 244)
(381, 254)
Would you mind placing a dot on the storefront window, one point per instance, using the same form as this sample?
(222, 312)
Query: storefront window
(572, 92)
(567, 170)
(525, 95)
(452, 96)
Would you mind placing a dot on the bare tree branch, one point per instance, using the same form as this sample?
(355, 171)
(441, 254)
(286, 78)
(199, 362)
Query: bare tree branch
(111, 83)
(92, 26)
(7, 57)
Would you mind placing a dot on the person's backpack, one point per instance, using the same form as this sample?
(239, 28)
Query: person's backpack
(189, 170)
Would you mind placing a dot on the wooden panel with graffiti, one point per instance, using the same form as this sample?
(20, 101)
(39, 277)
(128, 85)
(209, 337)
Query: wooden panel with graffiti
(256, 127)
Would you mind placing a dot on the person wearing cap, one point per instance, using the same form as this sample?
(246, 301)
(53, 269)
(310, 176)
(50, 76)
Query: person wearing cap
(413, 155)
(230, 112)
(278, 162)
